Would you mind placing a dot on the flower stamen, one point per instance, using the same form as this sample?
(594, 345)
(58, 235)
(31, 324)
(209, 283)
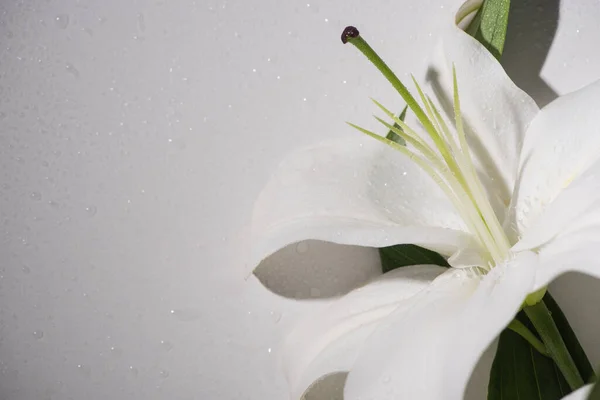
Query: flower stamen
(448, 163)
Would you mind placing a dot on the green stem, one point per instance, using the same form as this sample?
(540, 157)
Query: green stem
(519, 328)
(351, 35)
(541, 318)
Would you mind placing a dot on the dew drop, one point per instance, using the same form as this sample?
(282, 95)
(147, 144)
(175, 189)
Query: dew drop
(115, 351)
(141, 22)
(72, 70)
(166, 345)
(275, 316)
(26, 270)
(84, 369)
(133, 370)
(164, 373)
(91, 211)
(62, 21)
(187, 314)
(37, 196)
(38, 334)
(301, 247)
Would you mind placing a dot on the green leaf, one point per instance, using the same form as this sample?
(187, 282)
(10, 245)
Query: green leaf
(489, 25)
(404, 255)
(577, 353)
(538, 377)
(521, 372)
(393, 136)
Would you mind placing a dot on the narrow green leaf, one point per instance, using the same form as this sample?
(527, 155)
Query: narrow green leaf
(490, 24)
(404, 255)
(393, 136)
(538, 369)
(521, 372)
(579, 357)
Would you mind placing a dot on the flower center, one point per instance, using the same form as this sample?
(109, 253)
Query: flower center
(445, 157)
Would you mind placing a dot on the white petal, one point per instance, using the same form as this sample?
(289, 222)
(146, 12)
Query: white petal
(329, 341)
(580, 394)
(576, 251)
(358, 192)
(428, 351)
(496, 112)
(561, 144)
(577, 207)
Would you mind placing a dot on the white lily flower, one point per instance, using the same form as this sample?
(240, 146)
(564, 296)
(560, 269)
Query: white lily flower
(513, 202)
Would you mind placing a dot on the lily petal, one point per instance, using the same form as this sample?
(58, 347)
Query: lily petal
(577, 207)
(561, 144)
(576, 251)
(429, 350)
(357, 192)
(330, 341)
(495, 111)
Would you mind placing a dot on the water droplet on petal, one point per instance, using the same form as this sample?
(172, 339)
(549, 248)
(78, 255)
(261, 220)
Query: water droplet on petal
(37, 196)
(38, 334)
(275, 316)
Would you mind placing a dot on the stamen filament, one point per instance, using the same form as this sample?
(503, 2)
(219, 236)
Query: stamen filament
(482, 231)
(444, 179)
(477, 226)
(435, 136)
(447, 161)
(475, 185)
(352, 35)
(407, 129)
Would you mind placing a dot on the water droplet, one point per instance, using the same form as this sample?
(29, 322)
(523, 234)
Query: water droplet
(38, 334)
(115, 351)
(134, 371)
(275, 316)
(26, 270)
(141, 22)
(166, 345)
(187, 314)
(301, 247)
(37, 196)
(91, 210)
(62, 21)
(269, 350)
(164, 373)
(84, 369)
(72, 70)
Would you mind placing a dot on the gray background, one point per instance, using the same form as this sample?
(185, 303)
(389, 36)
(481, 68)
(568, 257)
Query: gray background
(134, 137)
